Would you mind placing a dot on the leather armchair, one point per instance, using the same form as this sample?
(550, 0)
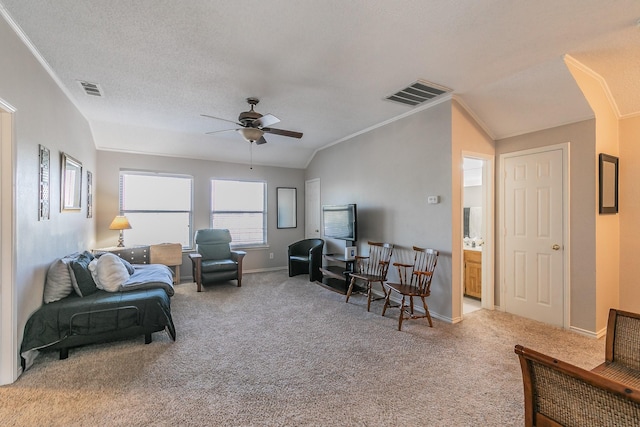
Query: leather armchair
(214, 260)
(305, 257)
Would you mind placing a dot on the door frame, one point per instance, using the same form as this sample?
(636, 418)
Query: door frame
(8, 302)
(566, 232)
(306, 207)
(488, 221)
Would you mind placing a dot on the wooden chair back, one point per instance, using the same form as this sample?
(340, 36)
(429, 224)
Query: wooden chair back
(557, 393)
(420, 273)
(377, 262)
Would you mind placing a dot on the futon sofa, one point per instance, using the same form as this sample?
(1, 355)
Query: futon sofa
(90, 298)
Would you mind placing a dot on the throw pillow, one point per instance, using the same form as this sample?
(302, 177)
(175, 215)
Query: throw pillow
(130, 268)
(58, 283)
(111, 273)
(81, 276)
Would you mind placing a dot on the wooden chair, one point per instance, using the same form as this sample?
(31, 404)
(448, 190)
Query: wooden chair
(559, 394)
(415, 281)
(622, 348)
(371, 269)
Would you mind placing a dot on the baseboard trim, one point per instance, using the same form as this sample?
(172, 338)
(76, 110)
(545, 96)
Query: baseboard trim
(589, 334)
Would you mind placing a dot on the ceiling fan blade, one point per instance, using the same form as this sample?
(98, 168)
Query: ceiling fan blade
(261, 141)
(218, 118)
(283, 132)
(266, 120)
(218, 131)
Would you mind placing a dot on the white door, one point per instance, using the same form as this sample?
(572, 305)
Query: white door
(533, 239)
(312, 209)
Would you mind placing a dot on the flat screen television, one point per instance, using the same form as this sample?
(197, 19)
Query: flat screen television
(340, 222)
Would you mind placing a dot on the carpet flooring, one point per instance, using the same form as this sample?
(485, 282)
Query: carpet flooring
(283, 351)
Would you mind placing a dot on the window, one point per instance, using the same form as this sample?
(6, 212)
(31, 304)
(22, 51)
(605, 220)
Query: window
(158, 207)
(240, 206)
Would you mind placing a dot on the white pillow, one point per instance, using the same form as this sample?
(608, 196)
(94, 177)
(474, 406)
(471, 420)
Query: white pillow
(110, 273)
(58, 284)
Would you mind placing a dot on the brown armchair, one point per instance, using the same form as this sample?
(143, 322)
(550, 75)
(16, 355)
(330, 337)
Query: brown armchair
(214, 260)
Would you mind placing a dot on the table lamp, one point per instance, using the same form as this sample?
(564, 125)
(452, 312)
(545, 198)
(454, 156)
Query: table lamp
(120, 222)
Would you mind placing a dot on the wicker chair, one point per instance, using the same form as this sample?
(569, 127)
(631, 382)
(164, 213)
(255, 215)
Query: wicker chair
(622, 351)
(557, 393)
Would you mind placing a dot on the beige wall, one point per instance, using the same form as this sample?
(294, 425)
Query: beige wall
(629, 208)
(44, 115)
(607, 226)
(581, 137)
(466, 137)
(107, 202)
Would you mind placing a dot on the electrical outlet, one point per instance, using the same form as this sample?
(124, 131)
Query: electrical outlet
(270, 255)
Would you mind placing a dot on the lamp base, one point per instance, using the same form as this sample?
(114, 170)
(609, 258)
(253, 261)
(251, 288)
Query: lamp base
(121, 240)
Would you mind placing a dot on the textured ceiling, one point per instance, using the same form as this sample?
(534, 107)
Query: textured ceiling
(322, 67)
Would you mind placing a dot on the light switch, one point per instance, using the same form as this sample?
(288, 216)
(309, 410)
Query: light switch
(433, 199)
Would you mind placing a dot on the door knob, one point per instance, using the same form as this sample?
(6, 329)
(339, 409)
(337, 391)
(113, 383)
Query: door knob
(555, 247)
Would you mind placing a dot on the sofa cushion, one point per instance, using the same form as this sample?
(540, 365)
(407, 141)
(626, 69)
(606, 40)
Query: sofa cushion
(211, 266)
(58, 283)
(81, 278)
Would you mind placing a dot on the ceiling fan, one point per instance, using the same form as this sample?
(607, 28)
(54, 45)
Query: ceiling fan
(254, 125)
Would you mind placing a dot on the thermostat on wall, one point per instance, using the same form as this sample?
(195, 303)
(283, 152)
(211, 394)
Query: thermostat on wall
(433, 199)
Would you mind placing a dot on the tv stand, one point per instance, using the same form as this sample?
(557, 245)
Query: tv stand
(337, 277)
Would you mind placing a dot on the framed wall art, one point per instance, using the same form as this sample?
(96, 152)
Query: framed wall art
(89, 194)
(71, 179)
(608, 184)
(44, 190)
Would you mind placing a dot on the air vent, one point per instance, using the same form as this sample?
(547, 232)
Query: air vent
(417, 93)
(92, 89)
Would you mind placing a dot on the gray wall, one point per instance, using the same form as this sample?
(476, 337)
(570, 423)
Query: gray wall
(44, 115)
(582, 139)
(107, 203)
(389, 172)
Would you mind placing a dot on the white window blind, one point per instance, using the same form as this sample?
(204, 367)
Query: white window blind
(240, 206)
(158, 206)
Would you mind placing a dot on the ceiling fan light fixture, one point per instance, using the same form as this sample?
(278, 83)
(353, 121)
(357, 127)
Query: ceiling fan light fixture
(251, 134)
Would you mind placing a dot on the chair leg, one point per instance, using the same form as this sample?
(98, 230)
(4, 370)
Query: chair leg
(369, 286)
(401, 317)
(386, 301)
(426, 310)
(353, 279)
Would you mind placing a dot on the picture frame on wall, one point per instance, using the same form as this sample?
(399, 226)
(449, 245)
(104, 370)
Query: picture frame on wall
(608, 180)
(89, 194)
(44, 212)
(71, 179)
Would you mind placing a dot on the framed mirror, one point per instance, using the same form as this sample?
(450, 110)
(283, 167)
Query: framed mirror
(287, 206)
(608, 184)
(71, 184)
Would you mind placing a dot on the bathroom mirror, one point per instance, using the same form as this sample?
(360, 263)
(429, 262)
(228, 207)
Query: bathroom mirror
(472, 222)
(71, 184)
(286, 200)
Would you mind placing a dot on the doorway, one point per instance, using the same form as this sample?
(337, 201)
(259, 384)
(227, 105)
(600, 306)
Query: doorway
(8, 315)
(534, 216)
(477, 232)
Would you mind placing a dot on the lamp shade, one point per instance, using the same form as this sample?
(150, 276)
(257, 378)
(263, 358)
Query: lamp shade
(120, 222)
